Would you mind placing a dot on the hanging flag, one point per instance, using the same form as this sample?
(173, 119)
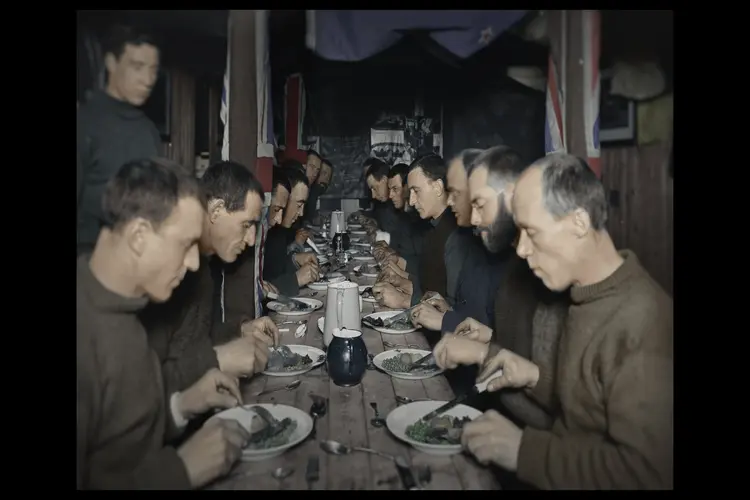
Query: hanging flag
(591, 87)
(554, 136)
(354, 35)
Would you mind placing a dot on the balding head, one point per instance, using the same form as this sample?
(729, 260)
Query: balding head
(558, 205)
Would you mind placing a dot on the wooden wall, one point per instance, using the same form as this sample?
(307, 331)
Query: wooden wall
(641, 214)
(181, 145)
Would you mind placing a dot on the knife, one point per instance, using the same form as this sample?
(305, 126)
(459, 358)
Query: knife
(312, 473)
(286, 300)
(421, 361)
(478, 388)
(402, 315)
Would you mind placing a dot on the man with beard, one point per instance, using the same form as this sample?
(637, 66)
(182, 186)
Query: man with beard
(153, 222)
(288, 272)
(613, 385)
(189, 332)
(445, 249)
(112, 129)
(316, 190)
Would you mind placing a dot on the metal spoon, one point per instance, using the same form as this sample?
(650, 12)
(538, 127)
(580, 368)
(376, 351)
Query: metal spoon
(377, 421)
(317, 410)
(336, 448)
(288, 387)
(402, 400)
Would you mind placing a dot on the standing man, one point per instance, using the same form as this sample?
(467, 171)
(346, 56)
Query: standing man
(153, 222)
(112, 128)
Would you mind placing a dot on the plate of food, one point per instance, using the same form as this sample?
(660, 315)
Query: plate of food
(375, 320)
(364, 257)
(396, 362)
(359, 233)
(295, 309)
(365, 291)
(367, 270)
(440, 436)
(361, 244)
(327, 279)
(290, 427)
(292, 360)
(354, 226)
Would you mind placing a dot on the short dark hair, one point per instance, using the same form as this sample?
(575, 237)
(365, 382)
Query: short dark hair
(279, 179)
(230, 182)
(292, 164)
(401, 169)
(148, 188)
(568, 183)
(312, 152)
(467, 157)
(378, 170)
(503, 165)
(432, 165)
(120, 35)
(326, 161)
(296, 176)
(370, 162)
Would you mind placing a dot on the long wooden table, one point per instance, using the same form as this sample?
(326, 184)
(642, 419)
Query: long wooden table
(348, 421)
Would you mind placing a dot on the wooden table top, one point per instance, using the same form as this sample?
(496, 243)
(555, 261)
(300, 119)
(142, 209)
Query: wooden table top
(348, 421)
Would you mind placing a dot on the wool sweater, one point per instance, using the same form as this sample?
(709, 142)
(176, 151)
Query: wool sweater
(122, 416)
(614, 387)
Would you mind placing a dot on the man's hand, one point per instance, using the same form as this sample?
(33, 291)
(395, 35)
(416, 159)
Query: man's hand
(268, 288)
(518, 372)
(262, 329)
(393, 275)
(387, 295)
(303, 258)
(301, 237)
(474, 330)
(427, 316)
(212, 451)
(452, 351)
(307, 274)
(492, 438)
(437, 301)
(214, 390)
(242, 357)
(380, 252)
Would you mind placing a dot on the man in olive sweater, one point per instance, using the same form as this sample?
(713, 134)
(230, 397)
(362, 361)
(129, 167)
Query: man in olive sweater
(612, 392)
(153, 218)
(112, 129)
(189, 332)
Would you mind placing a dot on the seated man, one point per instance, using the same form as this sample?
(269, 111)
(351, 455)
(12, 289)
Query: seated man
(317, 188)
(445, 249)
(289, 272)
(153, 222)
(189, 332)
(406, 239)
(613, 395)
(382, 216)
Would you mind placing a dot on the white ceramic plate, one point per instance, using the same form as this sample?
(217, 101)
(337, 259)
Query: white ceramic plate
(364, 257)
(302, 350)
(370, 300)
(359, 233)
(403, 416)
(354, 226)
(277, 306)
(388, 314)
(322, 324)
(322, 286)
(415, 354)
(359, 244)
(245, 415)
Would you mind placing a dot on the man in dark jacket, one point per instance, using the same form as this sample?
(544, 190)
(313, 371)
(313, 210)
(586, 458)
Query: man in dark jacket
(112, 129)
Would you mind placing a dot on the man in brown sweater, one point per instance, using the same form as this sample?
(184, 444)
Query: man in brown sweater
(613, 390)
(189, 332)
(153, 218)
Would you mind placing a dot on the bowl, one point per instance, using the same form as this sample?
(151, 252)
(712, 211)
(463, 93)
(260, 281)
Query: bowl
(244, 416)
(403, 416)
